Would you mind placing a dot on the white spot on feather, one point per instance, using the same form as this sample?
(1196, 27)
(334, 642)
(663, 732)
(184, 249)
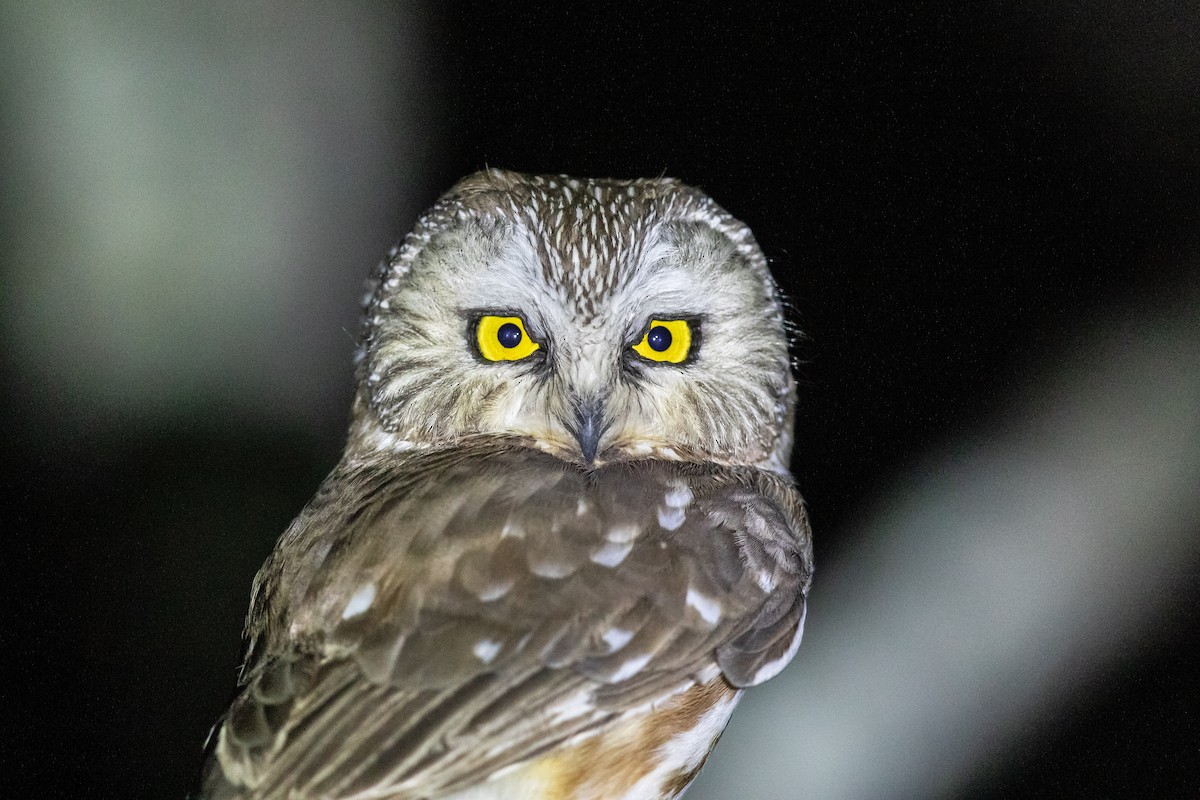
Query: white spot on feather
(571, 706)
(360, 602)
(494, 591)
(670, 518)
(679, 496)
(622, 533)
(612, 553)
(616, 638)
(554, 570)
(708, 608)
(486, 650)
(765, 580)
(630, 668)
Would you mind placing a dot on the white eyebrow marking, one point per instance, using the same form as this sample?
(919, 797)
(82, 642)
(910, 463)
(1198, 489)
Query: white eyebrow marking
(360, 602)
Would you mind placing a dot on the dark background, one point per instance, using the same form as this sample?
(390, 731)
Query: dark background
(946, 197)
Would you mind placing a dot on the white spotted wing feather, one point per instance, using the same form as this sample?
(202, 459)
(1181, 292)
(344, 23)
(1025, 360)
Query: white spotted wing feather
(467, 610)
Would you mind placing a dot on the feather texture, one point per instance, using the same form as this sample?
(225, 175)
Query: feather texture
(498, 628)
(543, 577)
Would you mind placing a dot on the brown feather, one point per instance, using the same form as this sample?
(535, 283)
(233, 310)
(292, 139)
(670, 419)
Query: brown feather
(555, 568)
(399, 695)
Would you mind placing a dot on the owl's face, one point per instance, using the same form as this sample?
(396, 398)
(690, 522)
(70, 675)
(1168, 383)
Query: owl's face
(597, 320)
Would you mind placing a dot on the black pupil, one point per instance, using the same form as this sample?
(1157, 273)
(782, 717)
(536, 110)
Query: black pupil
(509, 335)
(659, 338)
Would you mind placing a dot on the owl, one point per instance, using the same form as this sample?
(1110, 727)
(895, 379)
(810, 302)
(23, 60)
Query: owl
(562, 538)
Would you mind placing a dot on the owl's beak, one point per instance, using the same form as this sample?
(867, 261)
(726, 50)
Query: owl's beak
(589, 425)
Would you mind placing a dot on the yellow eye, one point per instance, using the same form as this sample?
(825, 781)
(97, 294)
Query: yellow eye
(504, 339)
(667, 340)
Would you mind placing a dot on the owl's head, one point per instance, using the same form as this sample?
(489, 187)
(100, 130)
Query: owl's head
(595, 319)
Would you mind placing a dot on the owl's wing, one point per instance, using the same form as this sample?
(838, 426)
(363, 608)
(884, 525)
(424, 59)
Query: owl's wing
(420, 628)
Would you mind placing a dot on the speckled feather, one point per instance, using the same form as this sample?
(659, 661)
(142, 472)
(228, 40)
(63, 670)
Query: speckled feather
(471, 608)
(587, 262)
(495, 641)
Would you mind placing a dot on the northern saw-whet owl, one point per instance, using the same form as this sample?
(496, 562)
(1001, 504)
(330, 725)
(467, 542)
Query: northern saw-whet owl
(562, 538)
